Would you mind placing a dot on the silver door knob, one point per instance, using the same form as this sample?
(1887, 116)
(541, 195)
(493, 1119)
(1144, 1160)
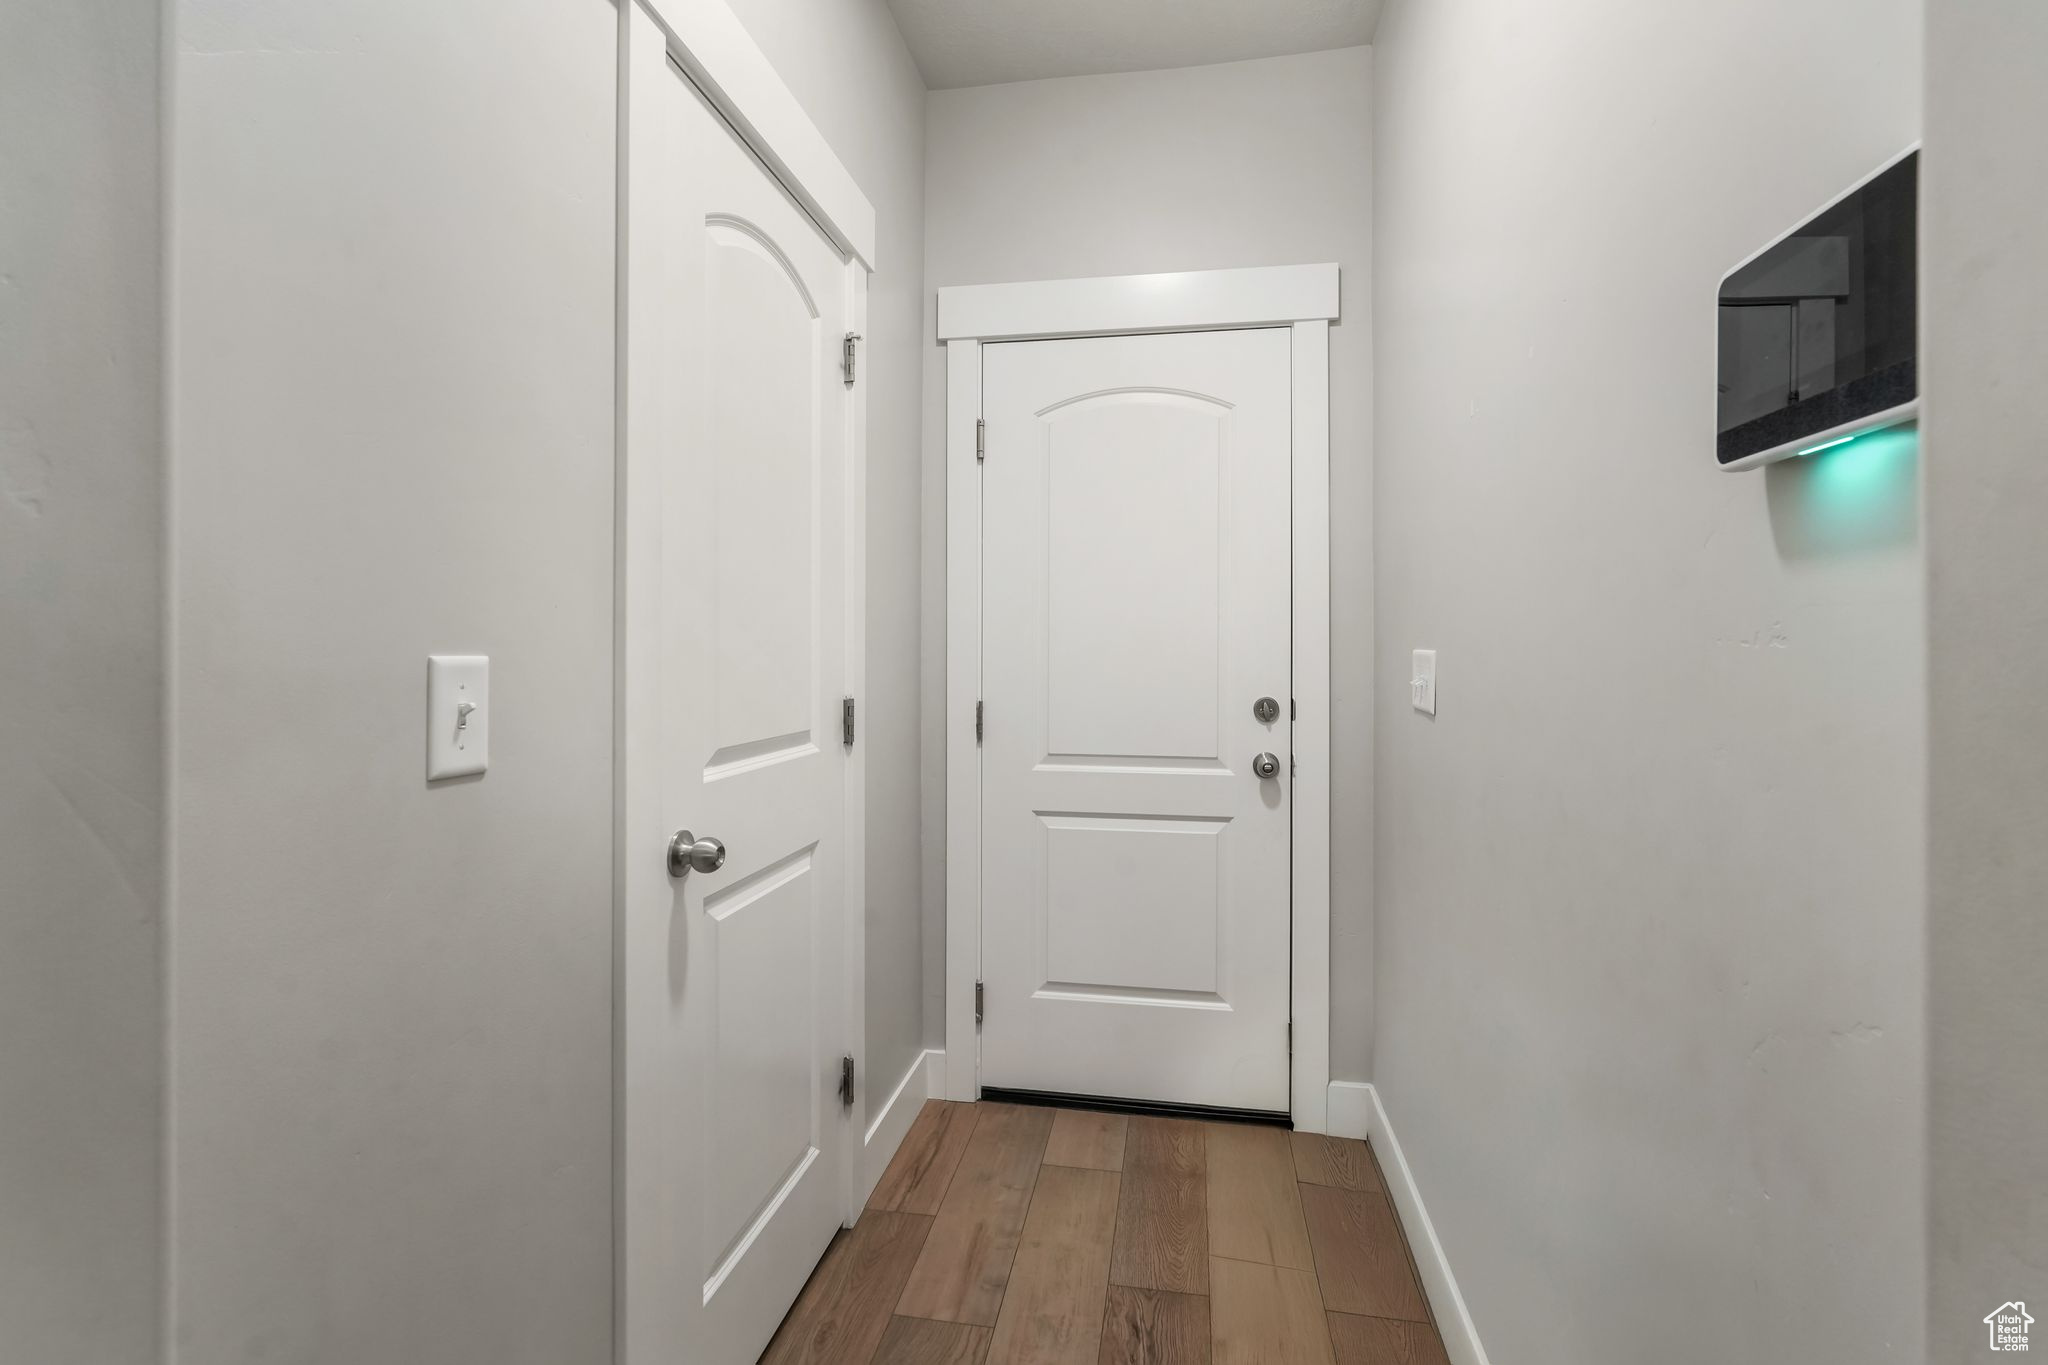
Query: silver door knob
(1266, 765)
(687, 853)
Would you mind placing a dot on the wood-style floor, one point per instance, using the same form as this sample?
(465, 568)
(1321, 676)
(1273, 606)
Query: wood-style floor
(1003, 1234)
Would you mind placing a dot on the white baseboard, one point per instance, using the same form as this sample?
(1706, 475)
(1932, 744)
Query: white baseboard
(1461, 1338)
(891, 1122)
(1350, 1109)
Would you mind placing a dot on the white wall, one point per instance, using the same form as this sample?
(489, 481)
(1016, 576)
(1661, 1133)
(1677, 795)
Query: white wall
(393, 385)
(1650, 884)
(1249, 163)
(392, 320)
(1987, 504)
(848, 66)
(81, 734)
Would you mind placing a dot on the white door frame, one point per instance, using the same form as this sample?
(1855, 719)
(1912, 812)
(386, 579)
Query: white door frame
(1301, 297)
(703, 41)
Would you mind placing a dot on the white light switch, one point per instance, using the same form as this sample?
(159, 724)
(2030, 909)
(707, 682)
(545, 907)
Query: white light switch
(458, 714)
(1422, 682)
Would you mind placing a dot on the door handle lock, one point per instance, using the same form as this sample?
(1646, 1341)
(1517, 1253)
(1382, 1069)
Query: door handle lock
(1266, 765)
(687, 853)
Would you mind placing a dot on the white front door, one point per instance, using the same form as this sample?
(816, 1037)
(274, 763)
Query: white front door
(1136, 606)
(737, 1010)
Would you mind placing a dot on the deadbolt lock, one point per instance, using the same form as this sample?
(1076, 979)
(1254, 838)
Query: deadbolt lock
(1266, 710)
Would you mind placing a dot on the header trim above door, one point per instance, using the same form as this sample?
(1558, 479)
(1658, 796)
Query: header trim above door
(1303, 298)
(707, 40)
(1189, 300)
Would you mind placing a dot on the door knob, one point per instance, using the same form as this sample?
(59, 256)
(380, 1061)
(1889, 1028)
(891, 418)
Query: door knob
(1266, 765)
(688, 853)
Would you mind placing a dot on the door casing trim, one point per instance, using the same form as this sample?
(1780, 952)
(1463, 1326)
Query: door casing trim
(1303, 298)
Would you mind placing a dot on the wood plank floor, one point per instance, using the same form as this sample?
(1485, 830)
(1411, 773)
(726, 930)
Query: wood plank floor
(1008, 1235)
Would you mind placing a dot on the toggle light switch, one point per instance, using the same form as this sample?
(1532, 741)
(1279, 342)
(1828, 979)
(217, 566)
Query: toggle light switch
(458, 715)
(1422, 682)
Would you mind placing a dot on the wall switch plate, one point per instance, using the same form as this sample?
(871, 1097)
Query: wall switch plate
(458, 715)
(1422, 682)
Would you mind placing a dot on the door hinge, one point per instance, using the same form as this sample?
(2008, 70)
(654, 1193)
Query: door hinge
(846, 1081)
(977, 1002)
(980, 439)
(846, 355)
(1293, 709)
(977, 722)
(846, 722)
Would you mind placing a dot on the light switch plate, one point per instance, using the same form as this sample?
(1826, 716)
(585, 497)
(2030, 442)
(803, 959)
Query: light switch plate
(1422, 682)
(458, 739)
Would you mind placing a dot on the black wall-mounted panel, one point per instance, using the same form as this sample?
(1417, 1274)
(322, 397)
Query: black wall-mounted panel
(1818, 331)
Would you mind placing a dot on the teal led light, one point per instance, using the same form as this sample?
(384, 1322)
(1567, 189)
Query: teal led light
(1829, 445)
(1872, 477)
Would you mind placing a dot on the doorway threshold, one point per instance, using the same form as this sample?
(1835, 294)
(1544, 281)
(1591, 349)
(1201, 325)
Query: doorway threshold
(1112, 1104)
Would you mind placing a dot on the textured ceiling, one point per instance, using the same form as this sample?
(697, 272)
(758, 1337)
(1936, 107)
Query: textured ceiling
(986, 42)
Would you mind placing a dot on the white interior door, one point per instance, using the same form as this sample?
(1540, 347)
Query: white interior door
(737, 1013)
(1136, 606)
